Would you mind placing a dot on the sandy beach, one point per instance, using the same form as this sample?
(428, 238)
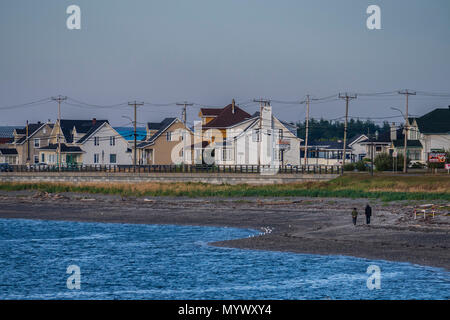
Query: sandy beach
(300, 225)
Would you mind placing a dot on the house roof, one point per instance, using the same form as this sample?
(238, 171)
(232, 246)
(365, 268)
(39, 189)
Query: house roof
(128, 133)
(6, 140)
(227, 118)
(212, 112)
(64, 148)
(91, 131)
(356, 138)
(7, 131)
(400, 143)
(32, 129)
(81, 126)
(6, 151)
(435, 122)
(383, 138)
(329, 145)
(163, 126)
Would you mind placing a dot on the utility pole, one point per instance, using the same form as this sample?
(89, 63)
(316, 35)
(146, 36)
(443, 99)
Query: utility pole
(28, 144)
(307, 101)
(407, 93)
(184, 115)
(59, 99)
(262, 103)
(135, 104)
(347, 98)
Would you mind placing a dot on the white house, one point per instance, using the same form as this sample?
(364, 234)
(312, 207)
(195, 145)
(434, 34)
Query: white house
(259, 140)
(105, 146)
(432, 130)
(88, 142)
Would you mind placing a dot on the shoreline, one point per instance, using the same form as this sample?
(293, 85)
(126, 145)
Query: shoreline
(299, 225)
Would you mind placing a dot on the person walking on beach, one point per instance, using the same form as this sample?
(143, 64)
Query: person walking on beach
(354, 215)
(368, 213)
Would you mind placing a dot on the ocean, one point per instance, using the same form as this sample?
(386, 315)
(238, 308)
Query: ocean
(49, 259)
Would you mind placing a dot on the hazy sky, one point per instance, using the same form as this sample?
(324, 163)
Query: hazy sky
(209, 52)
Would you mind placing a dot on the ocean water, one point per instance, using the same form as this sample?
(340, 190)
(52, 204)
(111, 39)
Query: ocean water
(125, 261)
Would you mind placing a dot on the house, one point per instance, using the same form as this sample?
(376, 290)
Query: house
(103, 145)
(327, 152)
(29, 140)
(8, 155)
(359, 151)
(88, 142)
(428, 133)
(414, 146)
(379, 143)
(234, 137)
(165, 143)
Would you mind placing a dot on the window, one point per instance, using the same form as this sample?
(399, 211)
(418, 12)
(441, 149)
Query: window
(169, 135)
(256, 135)
(112, 158)
(226, 154)
(112, 141)
(96, 141)
(42, 157)
(36, 159)
(280, 133)
(37, 143)
(378, 149)
(96, 157)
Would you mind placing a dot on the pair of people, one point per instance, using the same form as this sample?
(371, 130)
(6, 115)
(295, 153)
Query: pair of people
(368, 212)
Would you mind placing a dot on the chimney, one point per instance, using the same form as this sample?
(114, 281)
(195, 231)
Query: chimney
(94, 121)
(232, 106)
(393, 131)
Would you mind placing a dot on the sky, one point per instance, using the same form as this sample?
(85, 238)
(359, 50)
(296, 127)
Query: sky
(209, 52)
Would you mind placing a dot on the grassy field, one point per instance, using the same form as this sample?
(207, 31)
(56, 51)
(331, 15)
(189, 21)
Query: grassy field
(384, 187)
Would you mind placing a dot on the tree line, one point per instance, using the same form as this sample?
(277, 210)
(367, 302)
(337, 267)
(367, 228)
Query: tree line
(321, 130)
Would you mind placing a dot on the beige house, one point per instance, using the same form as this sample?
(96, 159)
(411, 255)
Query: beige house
(165, 143)
(28, 141)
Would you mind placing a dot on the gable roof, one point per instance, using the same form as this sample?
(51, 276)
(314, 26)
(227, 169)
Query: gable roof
(435, 122)
(162, 126)
(33, 128)
(227, 118)
(383, 138)
(91, 131)
(81, 126)
(356, 138)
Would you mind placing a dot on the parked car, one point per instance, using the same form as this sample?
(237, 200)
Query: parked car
(5, 167)
(38, 166)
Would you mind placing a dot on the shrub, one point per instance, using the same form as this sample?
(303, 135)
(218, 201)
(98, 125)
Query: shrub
(384, 162)
(349, 167)
(360, 165)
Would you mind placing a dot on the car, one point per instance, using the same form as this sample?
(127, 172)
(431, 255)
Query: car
(5, 167)
(38, 166)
